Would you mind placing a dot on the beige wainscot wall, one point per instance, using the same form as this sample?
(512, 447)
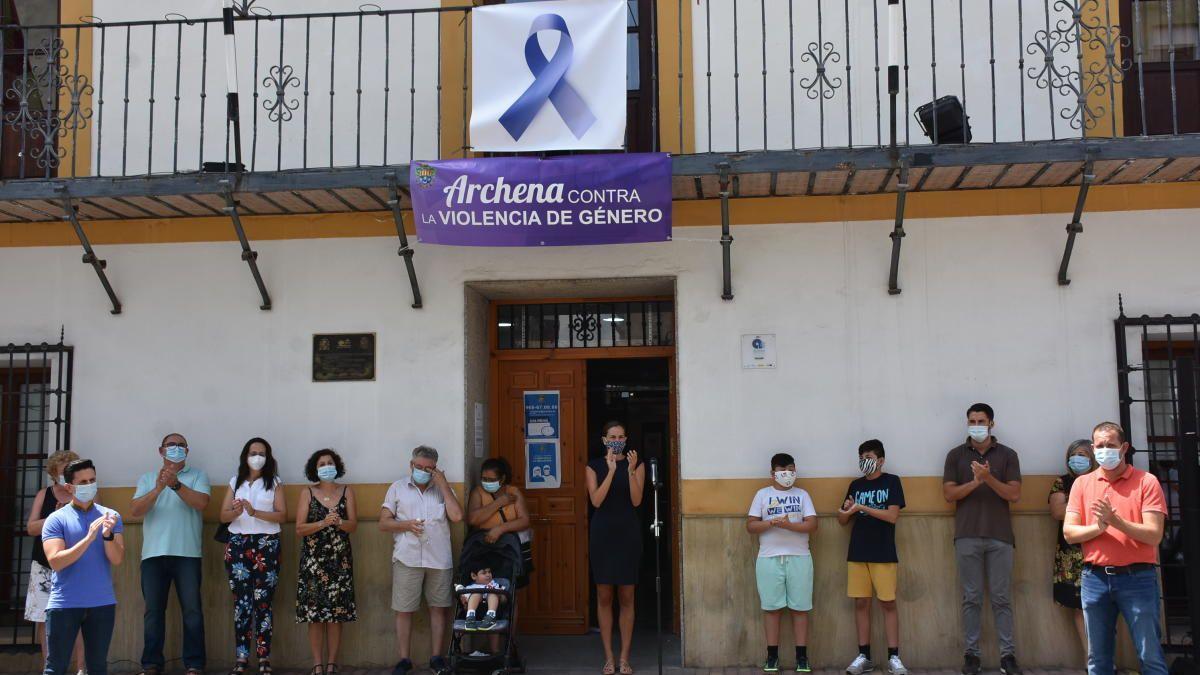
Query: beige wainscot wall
(722, 622)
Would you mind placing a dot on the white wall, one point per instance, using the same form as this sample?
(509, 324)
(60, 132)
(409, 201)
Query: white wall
(981, 318)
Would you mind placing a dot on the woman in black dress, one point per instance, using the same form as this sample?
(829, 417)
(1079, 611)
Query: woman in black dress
(615, 484)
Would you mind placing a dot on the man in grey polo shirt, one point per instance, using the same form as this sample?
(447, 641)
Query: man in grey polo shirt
(982, 477)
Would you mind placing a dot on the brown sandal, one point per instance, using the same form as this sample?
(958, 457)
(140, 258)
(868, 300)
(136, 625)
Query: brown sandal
(608, 668)
(626, 669)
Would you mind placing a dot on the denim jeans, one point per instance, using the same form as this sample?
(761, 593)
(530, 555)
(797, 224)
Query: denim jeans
(1136, 597)
(985, 561)
(158, 573)
(62, 627)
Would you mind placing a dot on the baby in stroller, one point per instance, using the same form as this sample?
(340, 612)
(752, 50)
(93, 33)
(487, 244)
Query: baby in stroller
(482, 580)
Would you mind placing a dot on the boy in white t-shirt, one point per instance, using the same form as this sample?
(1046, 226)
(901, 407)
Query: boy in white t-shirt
(783, 516)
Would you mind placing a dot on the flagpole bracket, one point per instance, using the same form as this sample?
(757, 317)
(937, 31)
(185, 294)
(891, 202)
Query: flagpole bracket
(726, 237)
(1075, 227)
(898, 233)
(71, 215)
(405, 251)
(249, 255)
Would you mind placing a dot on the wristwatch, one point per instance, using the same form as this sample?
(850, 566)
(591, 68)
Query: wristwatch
(176, 486)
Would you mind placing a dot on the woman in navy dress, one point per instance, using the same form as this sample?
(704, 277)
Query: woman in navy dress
(615, 485)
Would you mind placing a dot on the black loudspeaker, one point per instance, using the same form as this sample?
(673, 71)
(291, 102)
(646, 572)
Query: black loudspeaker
(953, 125)
(222, 167)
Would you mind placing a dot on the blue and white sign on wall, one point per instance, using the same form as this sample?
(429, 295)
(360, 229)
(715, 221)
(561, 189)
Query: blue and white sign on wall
(543, 467)
(548, 76)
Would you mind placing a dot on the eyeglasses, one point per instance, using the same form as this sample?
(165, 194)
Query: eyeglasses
(174, 445)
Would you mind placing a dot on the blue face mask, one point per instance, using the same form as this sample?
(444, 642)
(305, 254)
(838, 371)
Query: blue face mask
(175, 453)
(327, 472)
(1108, 458)
(616, 447)
(979, 433)
(491, 486)
(86, 493)
(1079, 464)
(421, 476)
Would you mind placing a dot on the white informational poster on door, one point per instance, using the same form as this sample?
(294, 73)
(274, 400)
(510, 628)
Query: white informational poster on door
(548, 76)
(543, 465)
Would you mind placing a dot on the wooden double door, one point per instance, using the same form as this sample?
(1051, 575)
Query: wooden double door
(556, 600)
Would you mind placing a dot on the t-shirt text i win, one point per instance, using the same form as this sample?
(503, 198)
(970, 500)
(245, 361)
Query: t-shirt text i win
(770, 503)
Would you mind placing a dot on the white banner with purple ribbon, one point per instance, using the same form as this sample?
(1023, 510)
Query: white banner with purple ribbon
(548, 76)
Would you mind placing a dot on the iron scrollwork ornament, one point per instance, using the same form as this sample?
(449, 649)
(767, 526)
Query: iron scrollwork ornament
(584, 326)
(1082, 85)
(820, 85)
(37, 90)
(280, 108)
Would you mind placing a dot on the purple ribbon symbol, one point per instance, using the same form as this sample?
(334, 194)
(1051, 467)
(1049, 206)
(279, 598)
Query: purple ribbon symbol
(549, 83)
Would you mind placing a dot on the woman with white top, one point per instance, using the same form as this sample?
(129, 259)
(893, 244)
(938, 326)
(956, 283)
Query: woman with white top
(254, 507)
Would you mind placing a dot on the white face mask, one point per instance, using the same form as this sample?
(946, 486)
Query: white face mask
(979, 433)
(785, 478)
(256, 462)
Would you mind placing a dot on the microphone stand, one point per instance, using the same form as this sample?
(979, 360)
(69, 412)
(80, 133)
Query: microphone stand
(656, 528)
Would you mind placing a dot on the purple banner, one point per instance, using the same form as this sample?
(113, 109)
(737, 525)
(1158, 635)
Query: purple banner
(525, 201)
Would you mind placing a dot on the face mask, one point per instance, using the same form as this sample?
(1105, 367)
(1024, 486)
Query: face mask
(867, 465)
(175, 453)
(1079, 464)
(86, 493)
(60, 480)
(616, 447)
(491, 486)
(327, 472)
(421, 476)
(1108, 458)
(979, 434)
(785, 478)
(256, 462)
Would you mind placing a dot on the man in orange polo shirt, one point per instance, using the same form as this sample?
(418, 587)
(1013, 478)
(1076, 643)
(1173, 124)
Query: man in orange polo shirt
(1117, 514)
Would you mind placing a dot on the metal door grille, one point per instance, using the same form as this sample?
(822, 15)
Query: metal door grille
(566, 325)
(1157, 361)
(35, 420)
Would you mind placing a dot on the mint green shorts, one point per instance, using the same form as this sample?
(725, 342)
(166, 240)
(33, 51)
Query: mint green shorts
(785, 581)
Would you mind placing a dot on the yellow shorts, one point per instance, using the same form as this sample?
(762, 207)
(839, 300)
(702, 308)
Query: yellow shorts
(862, 577)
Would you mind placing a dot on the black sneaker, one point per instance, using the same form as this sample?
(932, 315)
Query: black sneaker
(438, 665)
(971, 665)
(487, 623)
(771, 665)
(802, 665)
(471, 624)
(404, 667)
(1008, 665)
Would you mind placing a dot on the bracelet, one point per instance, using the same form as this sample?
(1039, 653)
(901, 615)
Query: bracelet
(109, 537)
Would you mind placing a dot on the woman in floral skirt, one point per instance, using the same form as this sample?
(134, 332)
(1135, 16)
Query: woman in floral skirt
(1068, 558)
(325, 517)
(254, 507)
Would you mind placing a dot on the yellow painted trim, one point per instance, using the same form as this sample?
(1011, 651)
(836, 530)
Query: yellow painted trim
(1110, 97)
(674, 21)
(750, 211)
(77, 144)
(368, 496)
(922, 494)
(455, 98)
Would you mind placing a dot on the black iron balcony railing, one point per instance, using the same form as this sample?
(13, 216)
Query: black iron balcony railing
(371, 87)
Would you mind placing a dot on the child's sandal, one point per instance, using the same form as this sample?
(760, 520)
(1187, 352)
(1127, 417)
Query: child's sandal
(264, 667)
(239, 668)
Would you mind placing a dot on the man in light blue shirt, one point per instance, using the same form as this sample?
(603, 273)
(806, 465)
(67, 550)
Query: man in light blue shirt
(82, 542)
(172, 499)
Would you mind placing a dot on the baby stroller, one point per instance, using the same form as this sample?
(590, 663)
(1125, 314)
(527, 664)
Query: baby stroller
(505, 560)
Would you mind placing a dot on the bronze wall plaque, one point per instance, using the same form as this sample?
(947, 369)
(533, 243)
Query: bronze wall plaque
(343, 357)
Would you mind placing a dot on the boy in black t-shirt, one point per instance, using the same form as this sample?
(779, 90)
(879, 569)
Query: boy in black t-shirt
(873, 505)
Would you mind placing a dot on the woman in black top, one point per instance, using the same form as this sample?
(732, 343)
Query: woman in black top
(47, 501)
(615, 484)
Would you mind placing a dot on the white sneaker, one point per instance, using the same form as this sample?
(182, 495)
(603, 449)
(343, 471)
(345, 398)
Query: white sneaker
(896, 666)
(860, 665)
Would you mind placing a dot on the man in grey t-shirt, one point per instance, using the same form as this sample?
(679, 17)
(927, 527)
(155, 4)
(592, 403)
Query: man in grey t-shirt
(981, 478)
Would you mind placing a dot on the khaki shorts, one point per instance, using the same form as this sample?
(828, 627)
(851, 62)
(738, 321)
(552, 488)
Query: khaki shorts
(408, 584)
(861, 578)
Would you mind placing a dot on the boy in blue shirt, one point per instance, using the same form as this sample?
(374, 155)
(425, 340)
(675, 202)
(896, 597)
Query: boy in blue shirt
(82, 541)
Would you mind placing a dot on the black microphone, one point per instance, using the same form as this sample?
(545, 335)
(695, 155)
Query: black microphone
(653, 471)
